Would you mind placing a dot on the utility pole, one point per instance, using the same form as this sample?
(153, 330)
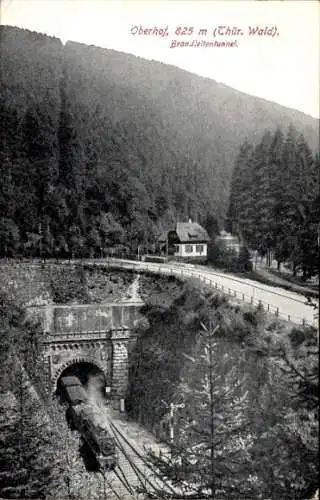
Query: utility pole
(173, 407)
(255, 259)
(167, 245)
(171, 424)
(40, 239)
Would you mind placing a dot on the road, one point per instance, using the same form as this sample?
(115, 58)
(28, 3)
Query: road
(287, 305)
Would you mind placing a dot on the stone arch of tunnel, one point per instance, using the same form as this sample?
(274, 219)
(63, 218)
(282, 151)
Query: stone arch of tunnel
(84, 368)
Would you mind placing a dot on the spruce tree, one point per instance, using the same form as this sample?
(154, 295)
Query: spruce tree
(208, 454)
(261, 239)
(241, 190)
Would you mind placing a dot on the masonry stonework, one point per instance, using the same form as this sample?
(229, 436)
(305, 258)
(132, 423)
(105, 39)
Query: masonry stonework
(102, 335)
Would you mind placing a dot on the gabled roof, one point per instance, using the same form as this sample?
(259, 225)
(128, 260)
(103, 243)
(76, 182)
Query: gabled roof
(187, 232)
(191, 232)
(227, 238)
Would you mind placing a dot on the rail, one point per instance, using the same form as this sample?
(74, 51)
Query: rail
(149, 479)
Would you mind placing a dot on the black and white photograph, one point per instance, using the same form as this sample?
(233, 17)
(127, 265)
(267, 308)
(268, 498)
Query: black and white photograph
(159, 249)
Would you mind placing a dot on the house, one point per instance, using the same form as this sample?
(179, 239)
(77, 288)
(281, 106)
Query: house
(186, 240)
(228, 241)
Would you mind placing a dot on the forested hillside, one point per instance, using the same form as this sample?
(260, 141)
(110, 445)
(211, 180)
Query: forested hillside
(30, 107)
(101, 149)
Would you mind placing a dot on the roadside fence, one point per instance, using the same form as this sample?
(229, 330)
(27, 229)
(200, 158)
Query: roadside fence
(204, 276)
(184, 273)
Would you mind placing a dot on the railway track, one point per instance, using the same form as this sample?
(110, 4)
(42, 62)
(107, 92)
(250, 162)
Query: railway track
(134, 477)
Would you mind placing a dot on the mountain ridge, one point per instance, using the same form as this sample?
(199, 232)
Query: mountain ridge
(103, 133)
(217, 82)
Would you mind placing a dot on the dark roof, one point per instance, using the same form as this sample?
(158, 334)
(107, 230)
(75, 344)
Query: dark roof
(187, 232)
(191, 231)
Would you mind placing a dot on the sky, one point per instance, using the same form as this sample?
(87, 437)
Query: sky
(283, 68)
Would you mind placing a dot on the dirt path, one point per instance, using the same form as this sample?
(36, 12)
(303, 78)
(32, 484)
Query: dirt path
(264, 273)
(132, 294)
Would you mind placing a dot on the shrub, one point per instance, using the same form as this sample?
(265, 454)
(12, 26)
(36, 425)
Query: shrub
(250, 317)
(300, 335)
(69, 284)
(243, 262)
(229, 259)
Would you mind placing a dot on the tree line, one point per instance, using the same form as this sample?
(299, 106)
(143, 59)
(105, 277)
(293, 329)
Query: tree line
(274, 201)
(101, 149)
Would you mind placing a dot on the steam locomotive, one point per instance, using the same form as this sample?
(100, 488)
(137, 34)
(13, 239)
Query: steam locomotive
(82, 417)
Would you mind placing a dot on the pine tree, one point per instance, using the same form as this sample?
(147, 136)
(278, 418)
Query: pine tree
(276, 212)
(275, 221)
(208, 456)
(261, 238)
(241, 191)
(287, 238)
(307, 254)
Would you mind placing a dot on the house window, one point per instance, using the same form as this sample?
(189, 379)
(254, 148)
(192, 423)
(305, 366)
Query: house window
(176, 248)
(199, 248)
(188, 248)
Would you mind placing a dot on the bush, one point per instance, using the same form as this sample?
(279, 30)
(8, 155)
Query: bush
(69, 285)
(250, 317)
(229, 259)
(243, 262)
(298, 335)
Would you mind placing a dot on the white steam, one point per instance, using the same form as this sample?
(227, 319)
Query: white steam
(95, 388)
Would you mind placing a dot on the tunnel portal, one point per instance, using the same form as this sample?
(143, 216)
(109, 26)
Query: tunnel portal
(90, 376)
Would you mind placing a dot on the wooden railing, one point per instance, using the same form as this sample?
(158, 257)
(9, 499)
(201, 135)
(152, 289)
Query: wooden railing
(207, 277)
